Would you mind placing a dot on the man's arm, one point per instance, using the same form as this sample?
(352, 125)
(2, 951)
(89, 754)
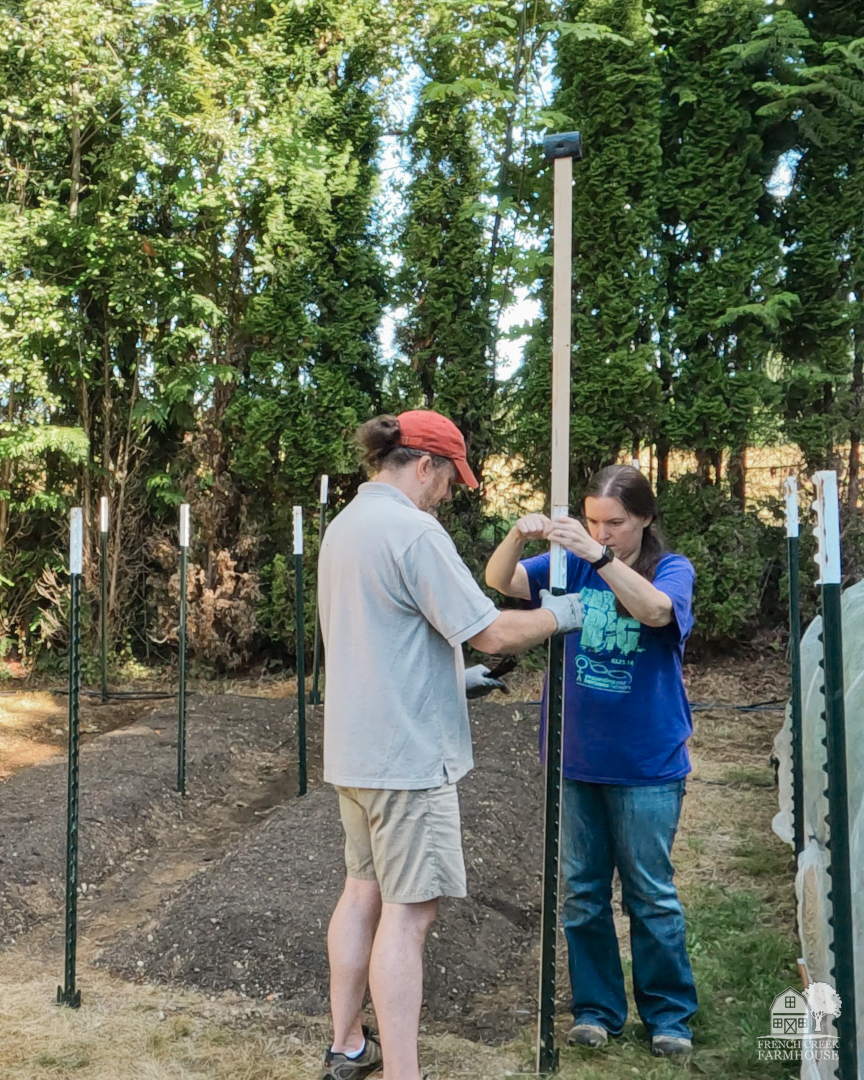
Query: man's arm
(515, 631)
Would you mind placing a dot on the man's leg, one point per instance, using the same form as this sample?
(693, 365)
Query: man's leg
(349, 944)
(396, 983)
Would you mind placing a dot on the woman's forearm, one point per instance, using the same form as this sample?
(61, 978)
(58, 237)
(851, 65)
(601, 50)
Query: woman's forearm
(503, 562)
(645, 602)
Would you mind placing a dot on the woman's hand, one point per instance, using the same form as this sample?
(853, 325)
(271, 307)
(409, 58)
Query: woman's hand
(531, 527)
(572, 535)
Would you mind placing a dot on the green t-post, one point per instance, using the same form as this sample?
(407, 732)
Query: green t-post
(560, 149)
(301, 648)
(181, 654)
(791, 492)
(103, 574)
(315, 695)
(67, 994)
(827, 532)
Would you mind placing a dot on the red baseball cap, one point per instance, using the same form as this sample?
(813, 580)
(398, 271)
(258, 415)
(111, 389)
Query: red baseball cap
(424, 429)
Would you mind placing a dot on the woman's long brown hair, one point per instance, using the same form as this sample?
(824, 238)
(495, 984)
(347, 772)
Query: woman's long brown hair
(632, 489)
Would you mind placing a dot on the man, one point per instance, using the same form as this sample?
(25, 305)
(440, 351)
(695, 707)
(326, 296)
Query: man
(397, 603)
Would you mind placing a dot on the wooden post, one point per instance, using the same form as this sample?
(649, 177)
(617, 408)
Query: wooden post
(561, 149)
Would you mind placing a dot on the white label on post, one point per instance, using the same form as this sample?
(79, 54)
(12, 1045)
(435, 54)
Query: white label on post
(76, 541)
(790, 488)
(827, 531)
(184, 525)
(103, 514)
(298, 530)
(324, 486)
(558, 561)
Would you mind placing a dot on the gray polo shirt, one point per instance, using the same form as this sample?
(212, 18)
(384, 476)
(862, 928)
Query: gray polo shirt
(396, 603)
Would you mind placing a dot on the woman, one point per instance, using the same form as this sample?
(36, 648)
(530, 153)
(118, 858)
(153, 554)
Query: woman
(626, 726)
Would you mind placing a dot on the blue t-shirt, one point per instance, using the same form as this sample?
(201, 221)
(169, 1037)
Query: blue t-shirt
(626, 716)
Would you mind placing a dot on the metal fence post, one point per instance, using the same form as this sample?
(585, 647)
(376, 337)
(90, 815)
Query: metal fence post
(301, 647)
(181, 658)
(827, 531)
(790, 488)
(103, 573)
(315, 695)
(67, 994)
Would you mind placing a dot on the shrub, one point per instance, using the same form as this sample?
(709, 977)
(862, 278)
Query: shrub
(738, 557)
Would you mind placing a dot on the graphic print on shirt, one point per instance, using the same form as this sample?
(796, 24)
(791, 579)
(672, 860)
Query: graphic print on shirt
(610, 637)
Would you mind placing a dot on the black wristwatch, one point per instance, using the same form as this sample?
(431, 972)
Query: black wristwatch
(606, 556)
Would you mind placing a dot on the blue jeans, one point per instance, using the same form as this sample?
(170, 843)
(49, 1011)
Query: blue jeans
(632, 828)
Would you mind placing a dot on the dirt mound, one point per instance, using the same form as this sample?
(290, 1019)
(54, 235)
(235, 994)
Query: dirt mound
(130, 816)
(255, 922)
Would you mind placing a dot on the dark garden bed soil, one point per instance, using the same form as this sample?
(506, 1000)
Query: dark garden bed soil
(134, 827)
(232, 887)
(255, 922)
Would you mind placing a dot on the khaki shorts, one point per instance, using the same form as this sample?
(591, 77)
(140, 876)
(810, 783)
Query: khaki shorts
(409, 841)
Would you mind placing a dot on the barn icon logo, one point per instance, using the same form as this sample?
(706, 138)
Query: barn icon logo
(790, 1015)
(796, 1022)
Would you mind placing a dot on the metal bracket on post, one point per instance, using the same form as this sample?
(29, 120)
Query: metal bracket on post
(827, 532)
(301, 648)
(561, 149)
(568, 144)
(790, 489)
(67, 994)
(181, 658)
(315, 695)
(103, 574)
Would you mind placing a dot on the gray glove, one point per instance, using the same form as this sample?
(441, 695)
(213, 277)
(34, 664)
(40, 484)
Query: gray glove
(478, 684)
(566, 609)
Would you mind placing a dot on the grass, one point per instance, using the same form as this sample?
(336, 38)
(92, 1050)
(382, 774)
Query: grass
(757, 857)
(741, 959)
(139, 1032)
(742, 776)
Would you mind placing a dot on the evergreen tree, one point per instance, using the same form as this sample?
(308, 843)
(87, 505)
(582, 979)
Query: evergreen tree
(445, 334)
(723, 297)
(609, 90)
(817, 85)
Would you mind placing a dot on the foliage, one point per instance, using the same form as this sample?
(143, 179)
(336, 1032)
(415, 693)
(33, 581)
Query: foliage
(610, 91)
(813, 57)
(202, 232)
(737, 556)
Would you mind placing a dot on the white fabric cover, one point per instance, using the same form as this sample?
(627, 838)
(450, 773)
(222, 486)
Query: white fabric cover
(812, 882)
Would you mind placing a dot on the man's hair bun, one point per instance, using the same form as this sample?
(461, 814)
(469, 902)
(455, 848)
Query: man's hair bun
(379, 440)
